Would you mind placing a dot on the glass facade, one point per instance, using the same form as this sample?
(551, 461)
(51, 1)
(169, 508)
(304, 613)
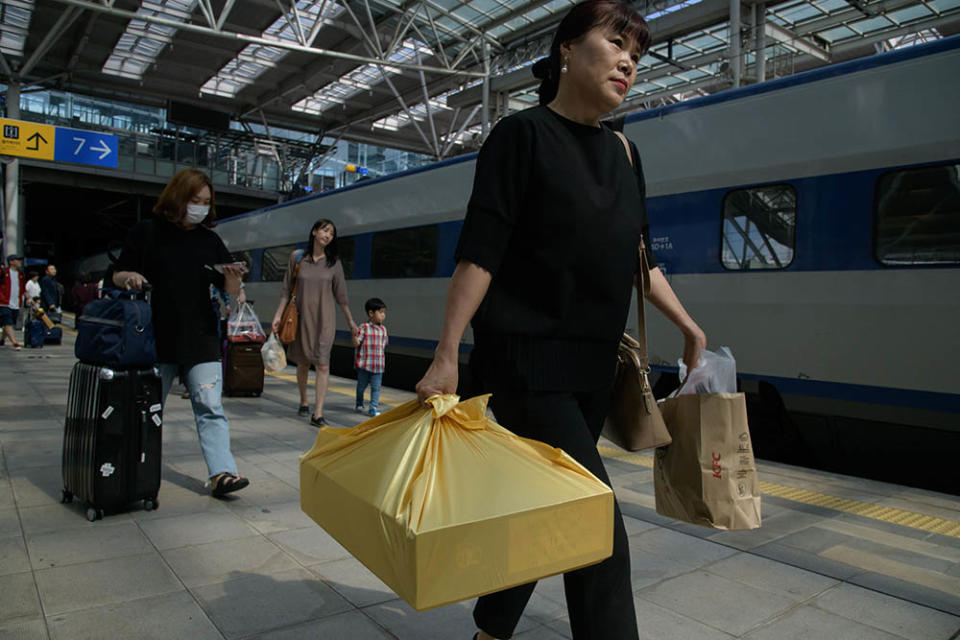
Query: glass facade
(243, 157)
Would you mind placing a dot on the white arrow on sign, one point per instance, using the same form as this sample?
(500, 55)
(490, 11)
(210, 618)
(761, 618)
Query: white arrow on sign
(104, 149)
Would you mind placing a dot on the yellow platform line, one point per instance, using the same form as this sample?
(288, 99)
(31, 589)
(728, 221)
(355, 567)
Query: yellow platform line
(879, 512)
(67, 314)
(390, 397)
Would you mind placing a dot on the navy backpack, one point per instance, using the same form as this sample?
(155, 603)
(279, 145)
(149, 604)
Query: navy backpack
(117, 331)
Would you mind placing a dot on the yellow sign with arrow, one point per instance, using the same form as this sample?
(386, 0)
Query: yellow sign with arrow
(26, 139)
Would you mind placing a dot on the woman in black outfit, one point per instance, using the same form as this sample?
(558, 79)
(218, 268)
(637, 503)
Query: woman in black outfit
(545, 267)
(176, 252)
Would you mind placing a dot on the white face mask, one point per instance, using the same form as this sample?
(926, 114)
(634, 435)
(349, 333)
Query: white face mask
(196, 213)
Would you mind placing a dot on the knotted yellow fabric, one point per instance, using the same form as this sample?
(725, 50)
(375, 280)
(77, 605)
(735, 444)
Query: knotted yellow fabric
(444, 504)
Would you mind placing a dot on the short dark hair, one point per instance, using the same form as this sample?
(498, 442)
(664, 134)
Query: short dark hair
(581, 18)
(374, 304)
(173, 201)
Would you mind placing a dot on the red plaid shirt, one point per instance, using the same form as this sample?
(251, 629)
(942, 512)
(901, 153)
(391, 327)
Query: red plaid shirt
(373, 340)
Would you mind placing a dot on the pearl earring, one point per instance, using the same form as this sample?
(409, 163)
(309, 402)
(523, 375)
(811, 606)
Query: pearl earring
(564, 68)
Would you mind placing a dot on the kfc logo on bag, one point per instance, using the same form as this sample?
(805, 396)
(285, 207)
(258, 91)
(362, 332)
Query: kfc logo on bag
(716, 465)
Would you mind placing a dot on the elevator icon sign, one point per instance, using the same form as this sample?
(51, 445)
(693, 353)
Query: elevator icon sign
(27, 139)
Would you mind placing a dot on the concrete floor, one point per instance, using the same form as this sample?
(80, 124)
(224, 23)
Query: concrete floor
(254, 566)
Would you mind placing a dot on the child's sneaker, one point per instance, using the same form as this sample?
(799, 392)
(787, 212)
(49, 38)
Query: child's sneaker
(358, 408)
(374, 412)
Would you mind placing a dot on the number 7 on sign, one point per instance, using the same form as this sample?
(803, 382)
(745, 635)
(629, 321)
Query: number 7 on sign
(81, 142)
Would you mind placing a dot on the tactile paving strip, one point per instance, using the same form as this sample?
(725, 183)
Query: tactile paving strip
(902, 517)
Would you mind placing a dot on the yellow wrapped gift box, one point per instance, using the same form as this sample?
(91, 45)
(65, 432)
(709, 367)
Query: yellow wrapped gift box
(444, 504)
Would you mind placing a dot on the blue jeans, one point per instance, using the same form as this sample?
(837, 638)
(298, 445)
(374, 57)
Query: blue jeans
(205, 383)
(364, 378)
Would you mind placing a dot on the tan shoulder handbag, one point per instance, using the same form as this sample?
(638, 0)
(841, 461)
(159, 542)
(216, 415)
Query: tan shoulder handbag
(291, 318)
(633, 421)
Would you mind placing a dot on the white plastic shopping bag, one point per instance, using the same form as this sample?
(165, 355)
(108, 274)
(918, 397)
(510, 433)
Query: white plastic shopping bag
(716, 372)
(274, 357)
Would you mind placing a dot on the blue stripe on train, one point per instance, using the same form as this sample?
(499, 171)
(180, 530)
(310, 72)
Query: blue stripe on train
(834, 229)
(931, 401)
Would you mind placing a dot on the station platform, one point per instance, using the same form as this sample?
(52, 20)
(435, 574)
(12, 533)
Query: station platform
(837, 558)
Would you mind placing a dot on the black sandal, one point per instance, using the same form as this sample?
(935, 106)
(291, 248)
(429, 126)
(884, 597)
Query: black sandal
(303, 410)
(318, 421)
(225, 483)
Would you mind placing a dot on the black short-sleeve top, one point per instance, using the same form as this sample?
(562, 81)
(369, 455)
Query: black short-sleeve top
(177, 263)
(556, 215)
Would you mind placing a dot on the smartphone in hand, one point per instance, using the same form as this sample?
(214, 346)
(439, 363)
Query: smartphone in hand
(240, 265)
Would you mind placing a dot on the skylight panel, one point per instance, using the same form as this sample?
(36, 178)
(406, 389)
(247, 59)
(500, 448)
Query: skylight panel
(671, 9)
(871, 24)
(558, 5)
(837, 33)
(801, 13)
(944, 5)
(142, 41)
(704, 42)
(419, 112)
(909, 14)
(537, 14)
(798, 13)
(255, 59)
(362, 78)
(14, 24)
(831, 5)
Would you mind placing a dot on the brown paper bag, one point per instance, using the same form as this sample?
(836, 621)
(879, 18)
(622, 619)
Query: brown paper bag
(707, 476)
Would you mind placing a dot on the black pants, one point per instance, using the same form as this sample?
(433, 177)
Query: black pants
(599, 597)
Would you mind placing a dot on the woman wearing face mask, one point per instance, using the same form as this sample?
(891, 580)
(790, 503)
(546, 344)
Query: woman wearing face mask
(320, 286)
(176, 252)
(545, 267)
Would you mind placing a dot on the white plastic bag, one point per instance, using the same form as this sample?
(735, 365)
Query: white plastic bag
(716, 372)
(244, 325)
(274, 357)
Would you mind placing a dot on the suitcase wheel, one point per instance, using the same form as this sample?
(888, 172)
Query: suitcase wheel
(151, 504)
(94, 514)
(66, 497)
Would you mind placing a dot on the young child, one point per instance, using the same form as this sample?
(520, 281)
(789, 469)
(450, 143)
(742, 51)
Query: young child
(370, 341)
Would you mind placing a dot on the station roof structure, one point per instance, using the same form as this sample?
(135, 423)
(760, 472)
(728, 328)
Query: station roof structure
(410, 74)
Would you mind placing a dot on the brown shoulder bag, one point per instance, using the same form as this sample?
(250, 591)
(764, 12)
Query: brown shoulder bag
(291, 317)
(633, 421)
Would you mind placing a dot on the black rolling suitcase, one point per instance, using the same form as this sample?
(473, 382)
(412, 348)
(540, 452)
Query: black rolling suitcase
(53, 336)
(243, 369)
(112, 438)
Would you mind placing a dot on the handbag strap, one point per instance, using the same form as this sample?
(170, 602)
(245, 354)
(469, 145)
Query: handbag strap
(643, 290)
(643, 279)
(293, 280)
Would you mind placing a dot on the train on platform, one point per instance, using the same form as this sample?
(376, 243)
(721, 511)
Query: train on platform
(810, 223)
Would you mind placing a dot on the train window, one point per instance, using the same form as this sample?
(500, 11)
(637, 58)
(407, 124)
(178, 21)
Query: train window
(918, 216)
(759, 225)
(405, 253)
(275, 261)
(347, 249)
